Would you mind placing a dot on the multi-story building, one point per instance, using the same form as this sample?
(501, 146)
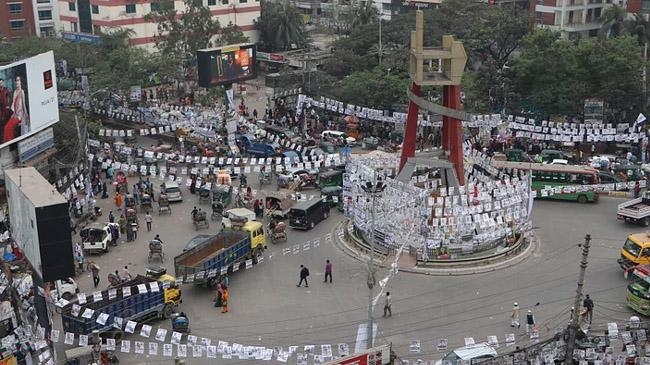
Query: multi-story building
(571, 17)
(638, 6)
(95, 16)
(19, 18)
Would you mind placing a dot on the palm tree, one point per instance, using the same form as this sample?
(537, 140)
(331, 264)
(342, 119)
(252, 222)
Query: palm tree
(364, 13)
(613, 21)
(289, 31)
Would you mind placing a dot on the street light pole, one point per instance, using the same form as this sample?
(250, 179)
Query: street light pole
(374, 189)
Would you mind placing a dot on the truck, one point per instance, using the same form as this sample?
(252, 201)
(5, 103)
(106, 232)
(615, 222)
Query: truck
(96, 237)
(149, 299)
(228, 250)
(635, 251)
(635, 210)
(638, 289)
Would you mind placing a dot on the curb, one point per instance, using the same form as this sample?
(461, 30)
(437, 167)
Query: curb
(619, 194)
(479, 269)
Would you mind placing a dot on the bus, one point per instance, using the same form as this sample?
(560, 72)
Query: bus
(573, 179)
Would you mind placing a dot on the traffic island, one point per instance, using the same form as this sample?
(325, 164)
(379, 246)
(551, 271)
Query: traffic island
(346, 239)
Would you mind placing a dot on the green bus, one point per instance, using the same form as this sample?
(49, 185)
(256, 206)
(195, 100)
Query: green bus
(573, 180)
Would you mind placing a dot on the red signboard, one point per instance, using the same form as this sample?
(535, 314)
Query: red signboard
(375, 356)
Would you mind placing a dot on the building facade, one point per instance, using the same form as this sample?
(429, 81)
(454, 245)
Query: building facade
(95, 16)
(20, 18)
(571, 17)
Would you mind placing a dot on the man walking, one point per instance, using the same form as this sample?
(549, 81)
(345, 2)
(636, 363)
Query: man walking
(530, 322)
(304, 273)
(148, 219)
(126, 275)
(388, 302)
(95, 270)
(225, 295)
(589, 305)
(328, 271)
(514, 316)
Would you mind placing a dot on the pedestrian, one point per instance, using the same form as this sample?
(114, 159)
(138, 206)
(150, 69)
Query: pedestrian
(111, 217)
(134, 231)
(530, 322)
(73, 226)
(637, 189)
(126, 275)
(304, 273)
(224, 300)
(218, 296)
(225, 281)
(388, 302)
(148, 219)
(95, 270)
(328, 271)
(79, 256)
(118, 201)
(514, 316)
(589, 305)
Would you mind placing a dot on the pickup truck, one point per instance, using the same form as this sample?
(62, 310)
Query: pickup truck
(228, 249)
(143, 304)
(96, 237)
(635, 210)
(65, 289)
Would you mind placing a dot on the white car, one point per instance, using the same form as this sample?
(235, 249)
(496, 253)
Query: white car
(226, 221)
(65, 289)
(479, 351)
(295, 173)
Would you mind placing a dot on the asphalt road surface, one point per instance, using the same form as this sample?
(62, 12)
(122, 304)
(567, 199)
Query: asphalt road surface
(267, 309)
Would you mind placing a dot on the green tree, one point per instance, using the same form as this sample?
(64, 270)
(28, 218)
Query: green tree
(184, 33)
(232, 34)
(613, 21)
(362, 13)
(281, 27)
(374, 88)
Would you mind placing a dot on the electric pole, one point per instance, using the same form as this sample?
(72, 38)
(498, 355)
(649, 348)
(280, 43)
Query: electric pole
(573, 325)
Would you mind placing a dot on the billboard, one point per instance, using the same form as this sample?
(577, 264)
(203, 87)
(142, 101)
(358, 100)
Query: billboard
(226, 65)
(28, 98)
(34, 146)
(375, 356)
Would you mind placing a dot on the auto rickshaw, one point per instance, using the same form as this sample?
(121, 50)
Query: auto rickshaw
(156, 250)
(204, 195)
(180, 323)
(87, 355)
(199, 219)
(222, 194)
(333, 196)
(330, 178)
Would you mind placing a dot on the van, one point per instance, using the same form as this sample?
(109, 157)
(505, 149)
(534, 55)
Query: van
(471, 354)
(306, 214)
(332, 135)
(173, 191)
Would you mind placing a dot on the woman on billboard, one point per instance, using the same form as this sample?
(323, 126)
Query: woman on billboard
(19, 106)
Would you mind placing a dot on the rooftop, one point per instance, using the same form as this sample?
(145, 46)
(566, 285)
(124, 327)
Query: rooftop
(35, 187)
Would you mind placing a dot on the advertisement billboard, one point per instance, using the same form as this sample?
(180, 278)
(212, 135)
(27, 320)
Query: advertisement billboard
(28, 98)
(375, 356)
(35, 145)
(226, 65)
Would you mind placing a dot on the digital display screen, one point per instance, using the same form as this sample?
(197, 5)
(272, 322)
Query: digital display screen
(226, 65)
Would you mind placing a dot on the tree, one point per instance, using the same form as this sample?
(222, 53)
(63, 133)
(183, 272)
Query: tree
(344, 63)
(374, 88)
(362, 13)
(232, 34)
(613, 21)
(280, 26)
(185, 33)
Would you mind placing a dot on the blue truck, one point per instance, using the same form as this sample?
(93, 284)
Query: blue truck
(139, 306)
(258, 149)
(228, 250)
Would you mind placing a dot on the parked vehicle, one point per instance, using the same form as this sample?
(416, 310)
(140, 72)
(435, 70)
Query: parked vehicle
(308, 213)
(334, 136)
(263, 149)
(228, 249)
(226, 221)
(330, 178)
(278, 203)
(472, 354)
(96, 237)
(333, 196)
(139, 306)
(635, 210)
(65, 289)
(635, 251)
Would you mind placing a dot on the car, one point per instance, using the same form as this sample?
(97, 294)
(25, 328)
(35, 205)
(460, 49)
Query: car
(173, 191)
(96, 237)
(330, 135)
(65, 289)
(470, 354)
(295, 173)
(559, 161)
(607, 178)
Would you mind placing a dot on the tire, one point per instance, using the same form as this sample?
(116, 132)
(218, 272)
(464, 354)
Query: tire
(167, 311)
(312, 225)
(106, 249)
(67, 296)
(646, 221)
(582, 199)
(327, 214)
(117, 335)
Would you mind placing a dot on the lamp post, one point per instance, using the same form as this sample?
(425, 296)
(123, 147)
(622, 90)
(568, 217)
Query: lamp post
(374, 190)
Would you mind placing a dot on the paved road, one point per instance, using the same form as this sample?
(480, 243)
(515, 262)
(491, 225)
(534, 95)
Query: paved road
(267, 309)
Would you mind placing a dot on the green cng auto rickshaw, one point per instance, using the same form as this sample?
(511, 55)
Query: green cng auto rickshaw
(333, 196)
(330, 178)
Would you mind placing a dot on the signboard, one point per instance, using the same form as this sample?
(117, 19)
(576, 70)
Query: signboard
(594, 110)
(35, 145)
(136, 93)
(81, 37)
(28, 98)
(226, 65)
(375, 356)
(270, 57)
